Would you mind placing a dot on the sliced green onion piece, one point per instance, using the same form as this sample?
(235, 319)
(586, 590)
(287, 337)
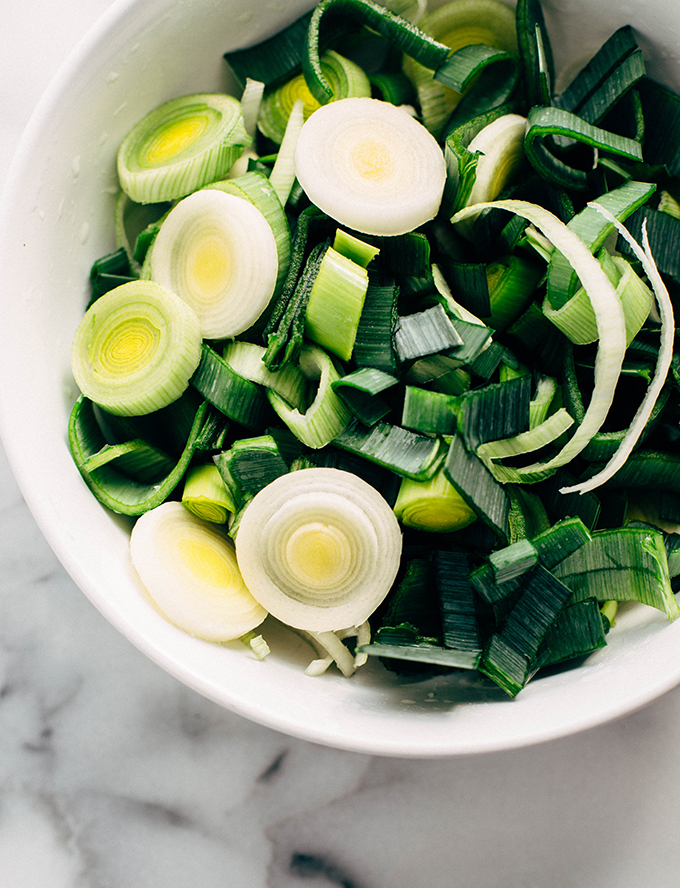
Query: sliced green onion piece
(370, 166)
(181, 146)
(428, 411)
(233, 395)
(205, 494)
(610, 323)
(626, 564)
(359, 392)
(663, 363)
(425, 333)
(136, 349)
(353, 248)
(434, 506)
(189, 568)
(533, 439)
(405, 452)
(398, 31)
(335, 304)
(218, 253)
(327, 416)
(535, 52)
(546, 388)
(576, 320)
(478, 488)
(247, 359)
(458, 24)
(319, 549)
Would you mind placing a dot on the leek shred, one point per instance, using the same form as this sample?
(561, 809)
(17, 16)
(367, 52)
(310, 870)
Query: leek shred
(319, 549)
(189, 569)
(370, 166)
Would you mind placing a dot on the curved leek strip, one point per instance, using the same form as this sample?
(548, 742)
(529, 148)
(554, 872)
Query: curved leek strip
(282, 175)
(370, 166)
(663, 363)
(136, 348)
(327, 416)
(500, 146)
(189, 569)
(246, 359)
(251, 101)
(319, 549)
(608, 314)
(457, 24)
(181, 146)
(576, 319)
(434, 506)
(218, 253)
(206, 496)
(99, 463)
(346, 80)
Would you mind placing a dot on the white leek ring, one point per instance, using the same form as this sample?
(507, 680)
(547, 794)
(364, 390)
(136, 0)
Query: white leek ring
(319, 549)
(371, 166)
(218, 253)
(189, 569)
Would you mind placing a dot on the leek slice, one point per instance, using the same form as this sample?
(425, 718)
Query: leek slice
(181, 146)
(189, 569)
(218, 253)
(282, 177)
(319, 549)
(663, 363)
(205, 494)
(434, 506)
(136, 348)
(327, 416)
(370, 166)
(346, 79)
(610, 324)
(247, 359)
(261, 191)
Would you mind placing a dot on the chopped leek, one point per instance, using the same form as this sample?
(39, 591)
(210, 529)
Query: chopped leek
(319, 549)
(189, 569)
(218, 253)
(371, 166)
(136, 348)
(181, 146)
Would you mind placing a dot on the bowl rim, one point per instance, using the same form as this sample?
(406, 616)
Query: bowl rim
(654, 686)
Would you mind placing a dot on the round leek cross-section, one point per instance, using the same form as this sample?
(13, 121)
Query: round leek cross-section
(371, 166)
(136, 348)
(218, 253)
(181, 146)
(189, 569)
(319, 549)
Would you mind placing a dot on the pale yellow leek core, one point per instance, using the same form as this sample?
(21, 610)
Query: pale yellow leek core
(189, 568)
(176, 139)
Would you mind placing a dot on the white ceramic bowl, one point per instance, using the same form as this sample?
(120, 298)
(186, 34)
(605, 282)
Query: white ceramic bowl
(56, 217)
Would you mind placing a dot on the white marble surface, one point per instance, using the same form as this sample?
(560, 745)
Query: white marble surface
(113, 775)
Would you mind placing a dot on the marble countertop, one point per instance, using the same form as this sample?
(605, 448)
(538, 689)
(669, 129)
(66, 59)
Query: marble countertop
(112, 774)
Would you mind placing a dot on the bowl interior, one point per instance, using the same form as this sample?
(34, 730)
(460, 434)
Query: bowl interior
(56, 218)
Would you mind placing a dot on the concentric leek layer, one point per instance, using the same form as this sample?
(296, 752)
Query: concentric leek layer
(136, 348)
(371, 166)
(319, 549)
(181, 146)
(218, 253)
(346, 79)
(189, 568)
